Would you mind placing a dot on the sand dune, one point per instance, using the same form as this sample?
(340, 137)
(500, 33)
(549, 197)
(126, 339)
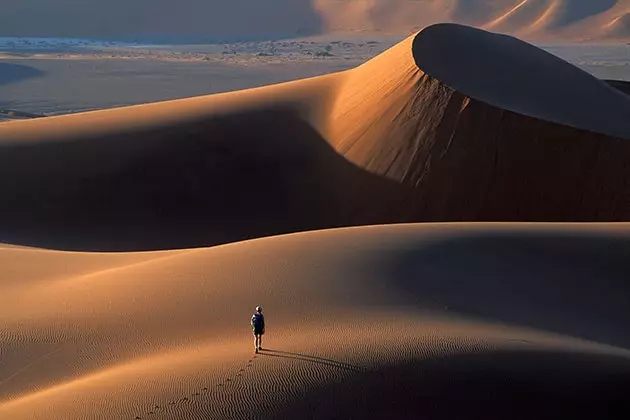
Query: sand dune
(198, 21)
(621, 85)
(619, 27)
(548, 16)
(452, 124)
(524, 14)
(465, 314)
(482, 321)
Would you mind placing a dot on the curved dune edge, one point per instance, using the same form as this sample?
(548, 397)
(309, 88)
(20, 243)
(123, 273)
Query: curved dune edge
(114, 339)
(220, 378)
(620, 85)
(556, 18)
(513, 75)
(619, 27)
(407, 137)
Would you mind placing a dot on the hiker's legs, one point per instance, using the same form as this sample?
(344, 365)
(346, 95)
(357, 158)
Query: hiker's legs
(256, 341)
(260, 341)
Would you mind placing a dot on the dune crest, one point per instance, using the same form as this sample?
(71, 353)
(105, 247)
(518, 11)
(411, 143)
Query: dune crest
(619, 27)
(411, 86)
(452, 124)
(170, 320)
(353, 312)
(546, 17)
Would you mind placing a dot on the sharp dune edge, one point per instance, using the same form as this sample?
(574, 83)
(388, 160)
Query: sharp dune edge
(482, 320)
(409, 136)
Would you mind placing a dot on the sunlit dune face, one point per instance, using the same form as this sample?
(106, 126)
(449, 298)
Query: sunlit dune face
(497, 315)
(531, 18)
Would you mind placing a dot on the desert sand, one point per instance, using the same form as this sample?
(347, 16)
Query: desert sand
(404, 137)
(483, 320)
(398, 320)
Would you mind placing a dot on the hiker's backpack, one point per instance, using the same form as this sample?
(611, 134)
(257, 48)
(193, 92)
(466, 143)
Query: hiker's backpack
(258, 321)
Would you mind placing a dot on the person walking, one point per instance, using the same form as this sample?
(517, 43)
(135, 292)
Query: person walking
(258, 326)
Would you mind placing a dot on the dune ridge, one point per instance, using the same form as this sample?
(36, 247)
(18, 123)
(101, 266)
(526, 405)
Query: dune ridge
(619, 27)
(407, 137)
(481, 320)
(163, 332)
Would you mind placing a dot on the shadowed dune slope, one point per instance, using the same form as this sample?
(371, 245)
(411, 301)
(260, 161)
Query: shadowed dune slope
(484, 320)
(453, 124)
(486, 127)
(621, 85)
(516, 76)
(540, 18)
(619, 27)
(184, 173)
(13, 73)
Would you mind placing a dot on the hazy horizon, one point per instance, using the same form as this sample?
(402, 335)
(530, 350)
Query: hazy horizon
(198, 21)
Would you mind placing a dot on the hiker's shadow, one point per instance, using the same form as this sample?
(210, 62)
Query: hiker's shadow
(311, 359)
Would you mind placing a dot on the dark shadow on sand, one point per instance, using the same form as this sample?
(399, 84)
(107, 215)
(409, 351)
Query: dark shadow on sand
(578, 11)
(573, 284)
(519, 384)
(311, 359)
(621, 85)
(13, 73)
(201, 183)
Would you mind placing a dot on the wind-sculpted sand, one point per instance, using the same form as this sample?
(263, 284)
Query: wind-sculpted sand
(373, 322)
(426, 131)
(435, 320)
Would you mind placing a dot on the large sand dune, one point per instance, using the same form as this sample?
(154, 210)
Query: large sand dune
(451, 124)
(482, 321)
(488, 321)
(199, 20)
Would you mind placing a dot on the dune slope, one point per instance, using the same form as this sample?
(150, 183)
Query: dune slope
(452, 124)
(199, 171)
(486, 127)
(476, 319)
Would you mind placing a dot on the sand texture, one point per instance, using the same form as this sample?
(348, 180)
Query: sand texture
(407, 320)
(464, 140)
(487, 320)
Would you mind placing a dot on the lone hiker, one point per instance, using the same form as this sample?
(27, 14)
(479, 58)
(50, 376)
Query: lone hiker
(258, 325)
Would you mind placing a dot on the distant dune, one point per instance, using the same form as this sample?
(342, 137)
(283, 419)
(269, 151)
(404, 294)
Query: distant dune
(201, 20)
(619, 27)
(477, 321)
(454, 124)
